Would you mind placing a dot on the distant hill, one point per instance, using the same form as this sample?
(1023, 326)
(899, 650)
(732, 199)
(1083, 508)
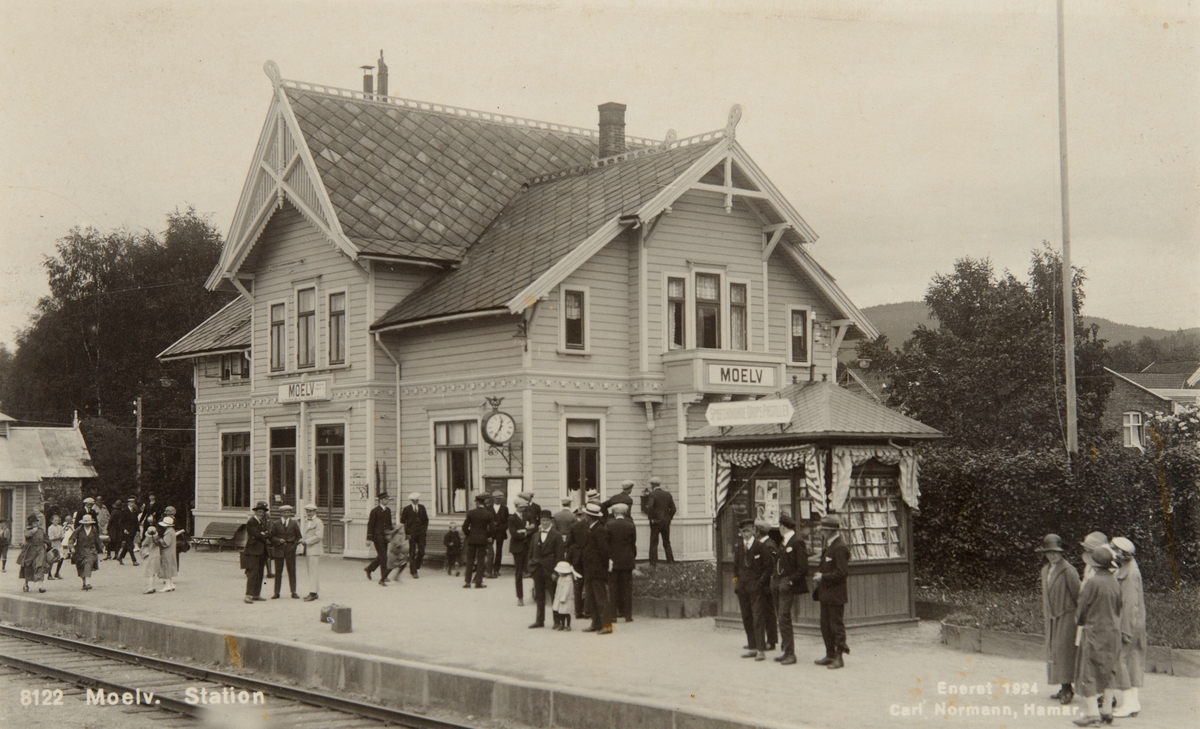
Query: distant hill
(898, 321)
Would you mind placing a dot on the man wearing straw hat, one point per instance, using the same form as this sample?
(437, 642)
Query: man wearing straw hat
(1131, 663)
(596, 564)
(1060, 593)
(831, 592)
(416, 525)
(313, 530)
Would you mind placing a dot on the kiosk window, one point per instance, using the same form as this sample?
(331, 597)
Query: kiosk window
(874, 513)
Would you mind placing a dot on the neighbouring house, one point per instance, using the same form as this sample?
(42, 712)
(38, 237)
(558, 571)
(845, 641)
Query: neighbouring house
(1161, 387)
(445, 301)
(33, 459)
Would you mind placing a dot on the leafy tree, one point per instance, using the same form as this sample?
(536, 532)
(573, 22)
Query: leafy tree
(991, 373)
(117, 300)
(1178, 346)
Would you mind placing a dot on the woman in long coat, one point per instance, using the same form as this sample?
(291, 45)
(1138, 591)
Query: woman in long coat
(33, 553)
(1060, 595)
(151, 547)
(170, 565)
(1099, 620)
(1131, 664)
(85, 547)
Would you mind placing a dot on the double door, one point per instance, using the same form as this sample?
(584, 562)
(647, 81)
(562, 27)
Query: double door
(329, 493)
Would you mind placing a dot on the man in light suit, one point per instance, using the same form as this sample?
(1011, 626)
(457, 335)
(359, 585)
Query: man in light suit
(379, 526)
(254, 554)
(416, 524)
(313, 530)
(545, 552)
(284, 535)
(831, 592)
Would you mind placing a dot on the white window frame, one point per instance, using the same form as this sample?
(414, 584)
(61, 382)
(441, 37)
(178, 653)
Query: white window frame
(582, 412)
(729, 284)
(723, 324)
(316, 318)
(287, 359)
(808, 337)
(666, 308)
(324, 322)
(224, 429)
(1129, 428)
(477, 482)
(562, 320)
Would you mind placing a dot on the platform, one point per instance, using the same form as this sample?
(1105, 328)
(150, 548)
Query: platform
(678, 671)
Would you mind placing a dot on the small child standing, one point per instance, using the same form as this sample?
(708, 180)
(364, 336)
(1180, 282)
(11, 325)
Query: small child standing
(151, 558)
(564, 595)
(397, 553)
(453, 544)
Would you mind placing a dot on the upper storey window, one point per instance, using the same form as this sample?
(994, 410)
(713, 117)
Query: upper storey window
(278, 337)
(306, 328)
(337, 328)
(799, 335)
(738, 320)
(708, 311)
(676, 308)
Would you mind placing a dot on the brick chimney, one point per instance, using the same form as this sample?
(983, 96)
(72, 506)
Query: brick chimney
(612, 129)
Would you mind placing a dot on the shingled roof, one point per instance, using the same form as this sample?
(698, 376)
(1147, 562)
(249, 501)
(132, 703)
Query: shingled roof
(823, 410)
(226, 331)
(539, 227)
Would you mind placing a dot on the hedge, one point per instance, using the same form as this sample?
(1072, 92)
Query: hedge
(983, 513)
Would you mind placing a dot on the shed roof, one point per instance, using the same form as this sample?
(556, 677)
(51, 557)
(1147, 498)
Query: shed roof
(228, 330)
(31, 454)
(823, 410)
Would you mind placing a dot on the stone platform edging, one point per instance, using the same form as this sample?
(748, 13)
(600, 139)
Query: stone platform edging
(396, 682)
(1159, 659)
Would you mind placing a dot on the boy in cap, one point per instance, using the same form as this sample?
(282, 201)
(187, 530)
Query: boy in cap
(453, 544)
(830, 591)
(1060, 591)
(416, 524)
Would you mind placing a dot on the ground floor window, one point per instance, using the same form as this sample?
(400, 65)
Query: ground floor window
(456, 455)
(583, 457)
(235, 470)
(283, 467)
(1132, 430)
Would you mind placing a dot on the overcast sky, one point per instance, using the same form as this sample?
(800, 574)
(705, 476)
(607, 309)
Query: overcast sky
(907, 134)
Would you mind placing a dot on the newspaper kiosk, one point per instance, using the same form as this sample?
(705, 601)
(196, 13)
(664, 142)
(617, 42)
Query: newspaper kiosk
(819, 449)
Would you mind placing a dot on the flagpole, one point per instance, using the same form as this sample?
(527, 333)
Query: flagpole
(1067, 291)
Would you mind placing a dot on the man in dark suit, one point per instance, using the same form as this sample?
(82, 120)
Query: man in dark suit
(622, 547)
(416, 525)
(519, 531)
(477, 528)
(596, 563)
(624, 497)
(790, 579)
(283, 536)
(545, 552)
(122, 529)
(500, 516)
(750, 561)
(575, 540)
(830, 591)
(254, 554)
(660, 511)
(762, 532)
(379, 525)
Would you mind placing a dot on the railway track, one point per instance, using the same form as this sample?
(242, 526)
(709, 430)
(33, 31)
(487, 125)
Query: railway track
(122, 678)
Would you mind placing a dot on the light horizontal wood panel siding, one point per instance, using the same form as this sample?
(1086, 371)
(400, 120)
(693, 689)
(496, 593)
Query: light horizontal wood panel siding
(393, 283)
(789, 287)
(457, 350)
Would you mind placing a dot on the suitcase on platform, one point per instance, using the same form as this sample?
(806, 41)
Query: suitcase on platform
(338, 616)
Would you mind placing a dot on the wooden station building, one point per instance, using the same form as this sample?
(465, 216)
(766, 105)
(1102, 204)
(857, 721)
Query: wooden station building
(405, 270)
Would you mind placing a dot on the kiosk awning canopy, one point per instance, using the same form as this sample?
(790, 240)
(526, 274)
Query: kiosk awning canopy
(821, 411)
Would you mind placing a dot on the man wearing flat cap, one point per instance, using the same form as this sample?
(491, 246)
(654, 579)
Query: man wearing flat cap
(416, 525)
(254, 554)
(790, 579)
(831, 592)
(284, 535)
(660, 511)
(622, 547)
(1060, 594)
(750, 571)
(477, 529)
(624, 497)
(499, 509)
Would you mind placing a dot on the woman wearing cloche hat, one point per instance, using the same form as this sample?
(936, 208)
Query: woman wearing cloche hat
(1131, 663)
(170, 566)
(85, 547)
(1060, 595)
(1098, 617)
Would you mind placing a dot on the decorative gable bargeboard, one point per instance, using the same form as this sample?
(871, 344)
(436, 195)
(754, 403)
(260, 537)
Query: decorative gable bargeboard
(406, 268)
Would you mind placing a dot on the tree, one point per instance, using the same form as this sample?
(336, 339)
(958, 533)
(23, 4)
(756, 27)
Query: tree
(1178, 346)
(117, 300)
(991, 373)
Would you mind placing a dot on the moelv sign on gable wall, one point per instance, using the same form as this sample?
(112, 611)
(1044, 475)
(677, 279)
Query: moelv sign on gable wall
(304, 391)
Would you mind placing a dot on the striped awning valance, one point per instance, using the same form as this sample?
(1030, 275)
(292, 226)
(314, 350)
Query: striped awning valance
(789, 459)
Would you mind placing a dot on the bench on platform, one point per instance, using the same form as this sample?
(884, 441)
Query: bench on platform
(220, 534)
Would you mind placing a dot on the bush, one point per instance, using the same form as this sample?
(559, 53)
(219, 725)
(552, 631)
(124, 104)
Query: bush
(983, 513)
(674, 581)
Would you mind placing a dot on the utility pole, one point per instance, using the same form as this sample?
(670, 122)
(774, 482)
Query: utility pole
(137, 409)
(1067, 292)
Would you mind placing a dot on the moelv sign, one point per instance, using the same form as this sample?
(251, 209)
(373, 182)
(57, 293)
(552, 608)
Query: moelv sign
(304, 391)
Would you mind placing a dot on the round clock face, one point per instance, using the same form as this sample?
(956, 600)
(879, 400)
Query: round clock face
(499, 428)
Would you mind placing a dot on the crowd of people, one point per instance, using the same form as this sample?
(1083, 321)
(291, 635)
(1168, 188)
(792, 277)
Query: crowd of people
(1095, 626)
(82, 536)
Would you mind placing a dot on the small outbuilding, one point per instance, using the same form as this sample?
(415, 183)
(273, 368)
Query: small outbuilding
(33, 458)
(820, 449)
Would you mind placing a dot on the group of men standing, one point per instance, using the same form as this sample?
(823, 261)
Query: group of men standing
(1095, 626)
(769, 574)
(281, 540)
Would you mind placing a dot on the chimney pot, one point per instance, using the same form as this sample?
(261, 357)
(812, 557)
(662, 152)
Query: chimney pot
(368, 79)
(612, 129)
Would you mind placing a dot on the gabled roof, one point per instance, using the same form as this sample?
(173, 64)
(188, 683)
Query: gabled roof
(1156, 381)
(228, 330)
(1173, 392)
(541, 226)
(29, 455)
(1186, 367)
(823, 410)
